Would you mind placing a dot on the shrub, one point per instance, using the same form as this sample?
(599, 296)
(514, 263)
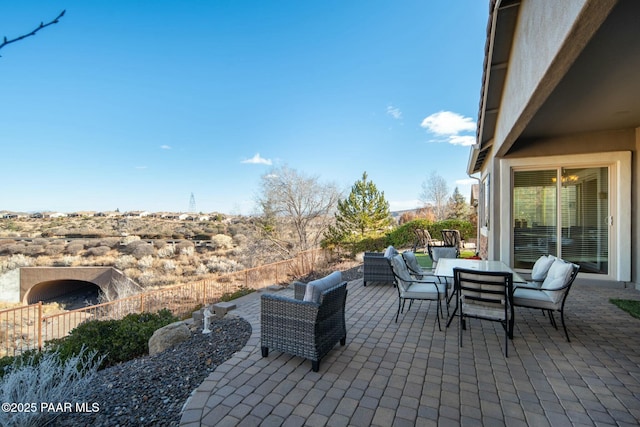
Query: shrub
(168, 265)
(98, 251)
(159, 244)
(17, 261)
(14, 248)
(166, 251)
(242, 291)
(45, 377)
(222, 241)
(118, 340)
(74, 248)
(240, 239)
(201, 269)
(187, 250)
(146, 278)
(404, 235)
(128, 239)
(184, 247)
(145, 262)
(125, 261)
(111, 242)
(68, 260)
(222, 265)
(140, 249)
(33, 250)
(53, 250)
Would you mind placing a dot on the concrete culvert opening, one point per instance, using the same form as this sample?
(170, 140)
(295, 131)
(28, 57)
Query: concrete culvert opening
(70, 294)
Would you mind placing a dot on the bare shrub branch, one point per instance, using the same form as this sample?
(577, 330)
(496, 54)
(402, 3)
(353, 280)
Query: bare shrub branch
(42, 25)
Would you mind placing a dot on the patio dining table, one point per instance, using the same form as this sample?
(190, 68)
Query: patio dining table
(445, 267)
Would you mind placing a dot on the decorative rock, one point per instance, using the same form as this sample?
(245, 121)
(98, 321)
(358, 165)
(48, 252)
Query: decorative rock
(168, 336)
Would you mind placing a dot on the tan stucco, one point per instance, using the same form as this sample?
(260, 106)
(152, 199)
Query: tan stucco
(548, 38)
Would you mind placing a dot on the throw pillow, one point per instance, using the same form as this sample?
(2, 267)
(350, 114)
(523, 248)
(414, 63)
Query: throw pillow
(558, 275)
(541, 268)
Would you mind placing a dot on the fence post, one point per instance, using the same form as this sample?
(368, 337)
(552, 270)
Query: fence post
(141, 303)
(39, 325)
(204, 293)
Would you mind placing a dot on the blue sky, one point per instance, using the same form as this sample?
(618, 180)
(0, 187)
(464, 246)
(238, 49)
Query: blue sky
(136, 105)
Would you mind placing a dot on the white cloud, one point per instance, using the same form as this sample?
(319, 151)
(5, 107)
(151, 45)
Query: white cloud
(257, 160)
(466, 181)
(452, 126)
(464, 140)
(141, 167)
(394, 112)
(165, 147)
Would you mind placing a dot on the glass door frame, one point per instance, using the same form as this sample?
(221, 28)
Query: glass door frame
(619, 164)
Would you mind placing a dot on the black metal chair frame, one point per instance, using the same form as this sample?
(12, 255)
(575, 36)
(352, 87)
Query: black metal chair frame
(567, 286)
(503, 296)
(402, 299)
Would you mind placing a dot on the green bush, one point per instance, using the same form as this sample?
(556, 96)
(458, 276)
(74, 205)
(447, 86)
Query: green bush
(242, 291)
(117, 340)
(7, 361)
(466, 228)
(404, 236)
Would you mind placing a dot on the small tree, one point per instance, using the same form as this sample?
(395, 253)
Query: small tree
(458, 206)
(296, 209)
(364, 213)
(435, 193)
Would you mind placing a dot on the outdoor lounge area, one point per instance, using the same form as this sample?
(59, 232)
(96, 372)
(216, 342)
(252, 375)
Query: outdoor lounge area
(410, 373)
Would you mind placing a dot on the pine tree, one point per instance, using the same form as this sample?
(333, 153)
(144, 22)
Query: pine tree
(459, 207)
(363, 213)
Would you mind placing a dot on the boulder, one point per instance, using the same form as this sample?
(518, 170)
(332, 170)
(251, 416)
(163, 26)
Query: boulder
(168, 336)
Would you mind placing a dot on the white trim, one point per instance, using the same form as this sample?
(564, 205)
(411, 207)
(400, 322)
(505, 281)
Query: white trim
(619, 163)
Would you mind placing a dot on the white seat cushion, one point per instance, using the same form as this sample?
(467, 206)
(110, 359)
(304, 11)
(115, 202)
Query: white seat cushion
(531, 297)
(425, 290)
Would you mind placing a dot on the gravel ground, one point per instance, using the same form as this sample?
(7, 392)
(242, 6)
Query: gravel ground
(151, 390)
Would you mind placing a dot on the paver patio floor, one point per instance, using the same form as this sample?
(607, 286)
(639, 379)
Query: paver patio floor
(410, 373)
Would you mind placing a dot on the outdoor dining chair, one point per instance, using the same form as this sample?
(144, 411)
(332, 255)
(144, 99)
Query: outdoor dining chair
(552, 294)
(486, 295)
(410, 288)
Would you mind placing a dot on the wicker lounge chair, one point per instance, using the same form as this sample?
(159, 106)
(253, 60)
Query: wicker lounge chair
(308, 329)
(377, 267)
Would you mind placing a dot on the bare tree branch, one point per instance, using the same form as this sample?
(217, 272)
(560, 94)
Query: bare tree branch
(42, 25)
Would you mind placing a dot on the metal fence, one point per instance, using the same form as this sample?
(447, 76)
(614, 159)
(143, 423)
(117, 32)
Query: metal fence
(28, 328)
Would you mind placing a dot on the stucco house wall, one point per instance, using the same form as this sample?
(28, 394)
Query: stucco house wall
(540, 56)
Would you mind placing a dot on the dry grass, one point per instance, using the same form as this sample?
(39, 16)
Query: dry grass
(167, 258)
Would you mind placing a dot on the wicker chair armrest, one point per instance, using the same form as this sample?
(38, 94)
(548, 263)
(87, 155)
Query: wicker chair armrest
(299, 290)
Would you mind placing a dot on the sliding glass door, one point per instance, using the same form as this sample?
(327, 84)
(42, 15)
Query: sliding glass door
(562, 212)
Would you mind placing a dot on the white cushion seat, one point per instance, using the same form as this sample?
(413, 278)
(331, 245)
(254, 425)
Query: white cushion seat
(529, 297)
(421, 290)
